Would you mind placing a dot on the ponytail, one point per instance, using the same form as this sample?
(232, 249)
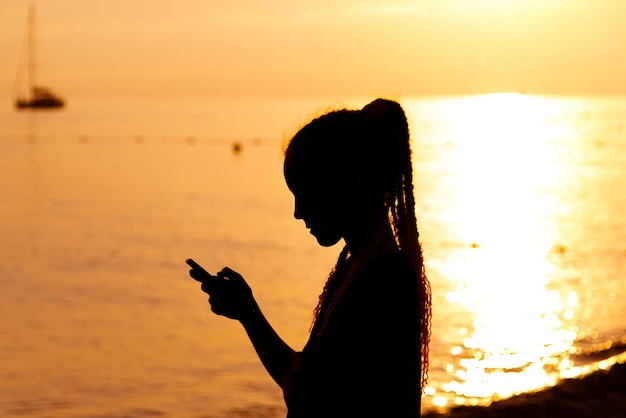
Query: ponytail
(390, 120)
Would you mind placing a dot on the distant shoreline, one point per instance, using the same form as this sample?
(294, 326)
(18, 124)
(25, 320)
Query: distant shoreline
(599, 394)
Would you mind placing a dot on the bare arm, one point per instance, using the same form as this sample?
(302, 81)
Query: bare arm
(274, 353)
(231, 296)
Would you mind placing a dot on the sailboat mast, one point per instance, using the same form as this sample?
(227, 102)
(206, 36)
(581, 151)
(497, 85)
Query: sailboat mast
(39, 97)
(32, 52)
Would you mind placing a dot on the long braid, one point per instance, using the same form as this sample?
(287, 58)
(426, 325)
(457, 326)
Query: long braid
(409, 240)
(401, 204)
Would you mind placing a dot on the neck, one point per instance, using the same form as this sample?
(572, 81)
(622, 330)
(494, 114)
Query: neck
(373, 237)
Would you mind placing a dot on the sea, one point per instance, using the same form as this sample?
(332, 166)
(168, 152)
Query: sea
(521, 208)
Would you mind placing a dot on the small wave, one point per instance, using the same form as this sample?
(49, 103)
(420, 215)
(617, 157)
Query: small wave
(595, 353)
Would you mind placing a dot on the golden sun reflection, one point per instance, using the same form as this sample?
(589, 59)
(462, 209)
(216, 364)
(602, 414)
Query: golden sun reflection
(504, 165)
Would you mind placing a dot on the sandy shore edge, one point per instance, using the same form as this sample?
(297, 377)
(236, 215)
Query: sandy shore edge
(599, 394)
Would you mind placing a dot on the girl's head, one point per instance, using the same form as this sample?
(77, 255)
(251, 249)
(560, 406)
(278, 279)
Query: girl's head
(347, 162)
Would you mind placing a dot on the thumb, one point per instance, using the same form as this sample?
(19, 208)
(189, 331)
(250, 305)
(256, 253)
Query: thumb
(231, 275)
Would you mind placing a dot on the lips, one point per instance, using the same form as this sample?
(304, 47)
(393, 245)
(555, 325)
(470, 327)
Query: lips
(310, 227)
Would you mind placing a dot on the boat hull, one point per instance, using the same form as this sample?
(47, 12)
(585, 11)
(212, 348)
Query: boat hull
(48, 103)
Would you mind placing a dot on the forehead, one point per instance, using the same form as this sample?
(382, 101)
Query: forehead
(307, 173)
(298, 171)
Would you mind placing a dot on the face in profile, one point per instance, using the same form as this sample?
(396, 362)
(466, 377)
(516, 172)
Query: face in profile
(318, 200)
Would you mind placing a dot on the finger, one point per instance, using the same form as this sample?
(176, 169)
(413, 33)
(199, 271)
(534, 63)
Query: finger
(214, 307)
(209, 286)
(201, 275)
(230, 274)
(196, 275)
(217, 308)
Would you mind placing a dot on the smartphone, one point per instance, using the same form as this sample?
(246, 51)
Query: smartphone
(198, 267)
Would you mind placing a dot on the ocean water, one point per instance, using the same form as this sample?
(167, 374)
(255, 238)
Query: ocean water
(521, 203)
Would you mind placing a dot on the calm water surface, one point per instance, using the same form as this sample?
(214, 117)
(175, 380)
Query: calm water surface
(521, 203)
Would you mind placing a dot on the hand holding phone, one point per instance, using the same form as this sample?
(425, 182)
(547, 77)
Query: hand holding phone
(229, 293)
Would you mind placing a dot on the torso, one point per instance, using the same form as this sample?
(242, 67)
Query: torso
(363, 355)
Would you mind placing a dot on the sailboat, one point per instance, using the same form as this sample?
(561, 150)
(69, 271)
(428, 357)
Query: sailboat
(39, 97)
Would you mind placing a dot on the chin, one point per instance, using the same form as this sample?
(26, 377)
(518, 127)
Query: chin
(326, 241)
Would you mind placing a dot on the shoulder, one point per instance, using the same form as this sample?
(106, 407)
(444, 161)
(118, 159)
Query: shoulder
(388, 272)
(396, 262)
(385, 288)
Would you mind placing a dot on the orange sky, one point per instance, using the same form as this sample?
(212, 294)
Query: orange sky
(118, 48)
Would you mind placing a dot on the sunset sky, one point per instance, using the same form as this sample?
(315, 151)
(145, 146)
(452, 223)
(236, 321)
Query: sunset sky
(121, 48)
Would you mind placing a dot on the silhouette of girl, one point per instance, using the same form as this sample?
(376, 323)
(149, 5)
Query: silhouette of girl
(350, 172)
